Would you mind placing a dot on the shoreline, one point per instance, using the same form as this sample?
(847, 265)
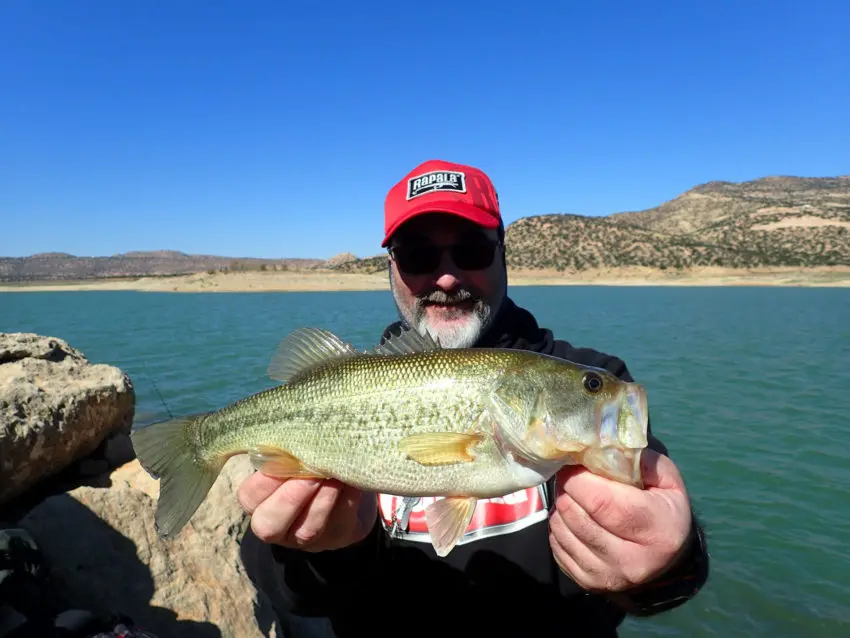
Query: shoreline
(329, 281)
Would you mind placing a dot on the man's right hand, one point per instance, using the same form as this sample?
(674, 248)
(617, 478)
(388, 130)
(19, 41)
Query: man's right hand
(308, 514)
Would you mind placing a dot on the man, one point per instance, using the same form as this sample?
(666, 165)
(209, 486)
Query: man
(569, 558)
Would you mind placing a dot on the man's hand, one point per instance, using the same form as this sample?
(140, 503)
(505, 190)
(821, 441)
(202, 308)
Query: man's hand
(308, 514)
(610, 537)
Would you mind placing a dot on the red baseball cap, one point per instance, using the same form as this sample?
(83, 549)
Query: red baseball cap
(436, 186)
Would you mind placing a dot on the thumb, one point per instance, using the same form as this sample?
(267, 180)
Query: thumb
(660, 472)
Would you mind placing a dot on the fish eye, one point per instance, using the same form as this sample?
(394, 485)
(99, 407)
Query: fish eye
(592, 382)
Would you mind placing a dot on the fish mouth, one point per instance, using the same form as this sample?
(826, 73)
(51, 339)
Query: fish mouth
(623, 423)
(624, 420)
(622, 465)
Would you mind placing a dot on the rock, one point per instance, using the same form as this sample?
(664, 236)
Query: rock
(114, 562)
(56, 408)
(69, 468)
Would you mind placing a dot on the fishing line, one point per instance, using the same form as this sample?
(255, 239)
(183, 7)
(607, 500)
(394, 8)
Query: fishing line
(158, 393)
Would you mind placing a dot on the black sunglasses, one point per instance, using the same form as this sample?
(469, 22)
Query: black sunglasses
(421, 258)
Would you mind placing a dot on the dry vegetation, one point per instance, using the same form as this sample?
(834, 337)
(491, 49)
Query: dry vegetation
(159, 263)
(770, 222)
(773, 222)
(366, 265)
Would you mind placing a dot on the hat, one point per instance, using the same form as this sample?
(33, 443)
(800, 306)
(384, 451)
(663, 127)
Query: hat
(436, 186)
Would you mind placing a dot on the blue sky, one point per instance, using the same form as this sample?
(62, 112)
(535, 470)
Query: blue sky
(272, 129)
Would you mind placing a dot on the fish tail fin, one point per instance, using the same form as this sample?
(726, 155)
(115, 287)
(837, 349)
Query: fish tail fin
(167, 452)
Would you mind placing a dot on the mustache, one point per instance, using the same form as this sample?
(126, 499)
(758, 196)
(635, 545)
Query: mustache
(442, 297)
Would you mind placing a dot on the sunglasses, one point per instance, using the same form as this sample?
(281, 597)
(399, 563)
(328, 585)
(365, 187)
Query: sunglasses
(421, 258)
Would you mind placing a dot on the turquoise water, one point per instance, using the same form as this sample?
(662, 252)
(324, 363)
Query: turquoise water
(749, 388)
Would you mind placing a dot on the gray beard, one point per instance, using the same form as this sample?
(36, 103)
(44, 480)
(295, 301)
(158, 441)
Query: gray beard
(462, 335)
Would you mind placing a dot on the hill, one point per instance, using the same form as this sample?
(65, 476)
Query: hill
(780, 221)
(65, 267)
(768, 222)
(364, 265)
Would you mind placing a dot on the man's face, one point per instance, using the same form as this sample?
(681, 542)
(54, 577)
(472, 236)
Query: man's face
(453, 302)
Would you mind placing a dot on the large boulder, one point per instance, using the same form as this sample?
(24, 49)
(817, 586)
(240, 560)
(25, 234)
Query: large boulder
(68, 477)
(56, 408)
(193, 585)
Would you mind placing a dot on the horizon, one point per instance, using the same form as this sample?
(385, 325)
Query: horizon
(380, 252)
(239, 131)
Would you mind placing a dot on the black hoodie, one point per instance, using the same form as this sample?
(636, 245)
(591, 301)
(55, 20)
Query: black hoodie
(502, 583)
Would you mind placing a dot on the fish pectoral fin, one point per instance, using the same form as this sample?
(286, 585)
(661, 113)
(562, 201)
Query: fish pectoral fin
(440, 448)
(279, 463)
(304, 349)
(447, 520)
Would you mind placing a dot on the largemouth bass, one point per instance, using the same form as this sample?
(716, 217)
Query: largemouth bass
(407, 418)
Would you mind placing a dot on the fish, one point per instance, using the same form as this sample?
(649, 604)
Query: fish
(406, 417)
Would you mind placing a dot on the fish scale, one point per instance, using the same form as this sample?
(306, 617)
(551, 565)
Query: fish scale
(407, 418)
(344, 424)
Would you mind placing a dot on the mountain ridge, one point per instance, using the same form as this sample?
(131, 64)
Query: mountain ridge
(771, 221)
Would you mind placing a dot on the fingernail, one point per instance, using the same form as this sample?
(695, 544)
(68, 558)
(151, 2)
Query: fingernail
(313, 483)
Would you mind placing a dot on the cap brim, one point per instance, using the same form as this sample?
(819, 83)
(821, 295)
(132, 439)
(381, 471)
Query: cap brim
(459, 209)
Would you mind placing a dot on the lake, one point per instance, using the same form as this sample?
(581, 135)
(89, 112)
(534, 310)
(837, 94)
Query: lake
(748, 387)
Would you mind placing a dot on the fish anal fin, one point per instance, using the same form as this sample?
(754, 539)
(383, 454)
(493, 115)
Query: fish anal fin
(440, 448)
(305, 349)
(408, 341)
(447, 520)
(279, 463)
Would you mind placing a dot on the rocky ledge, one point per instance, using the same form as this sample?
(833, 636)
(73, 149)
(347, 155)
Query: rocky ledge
(68, 477)
(56, 409)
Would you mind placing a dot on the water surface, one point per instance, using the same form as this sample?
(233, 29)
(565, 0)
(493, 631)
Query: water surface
(749, 388)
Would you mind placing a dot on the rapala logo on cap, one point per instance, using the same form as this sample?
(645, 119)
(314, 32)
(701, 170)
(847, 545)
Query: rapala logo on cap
(436, 181)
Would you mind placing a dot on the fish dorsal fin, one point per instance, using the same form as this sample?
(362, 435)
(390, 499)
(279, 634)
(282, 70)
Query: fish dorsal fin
(304, 349)
(407, 342)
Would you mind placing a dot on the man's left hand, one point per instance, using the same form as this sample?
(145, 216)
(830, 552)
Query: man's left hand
(610, 537)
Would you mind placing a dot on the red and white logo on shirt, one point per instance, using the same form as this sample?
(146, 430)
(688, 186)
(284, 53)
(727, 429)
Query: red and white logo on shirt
(492, 516)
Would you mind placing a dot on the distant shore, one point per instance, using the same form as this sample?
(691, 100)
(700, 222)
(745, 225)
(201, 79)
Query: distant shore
(324, 280)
